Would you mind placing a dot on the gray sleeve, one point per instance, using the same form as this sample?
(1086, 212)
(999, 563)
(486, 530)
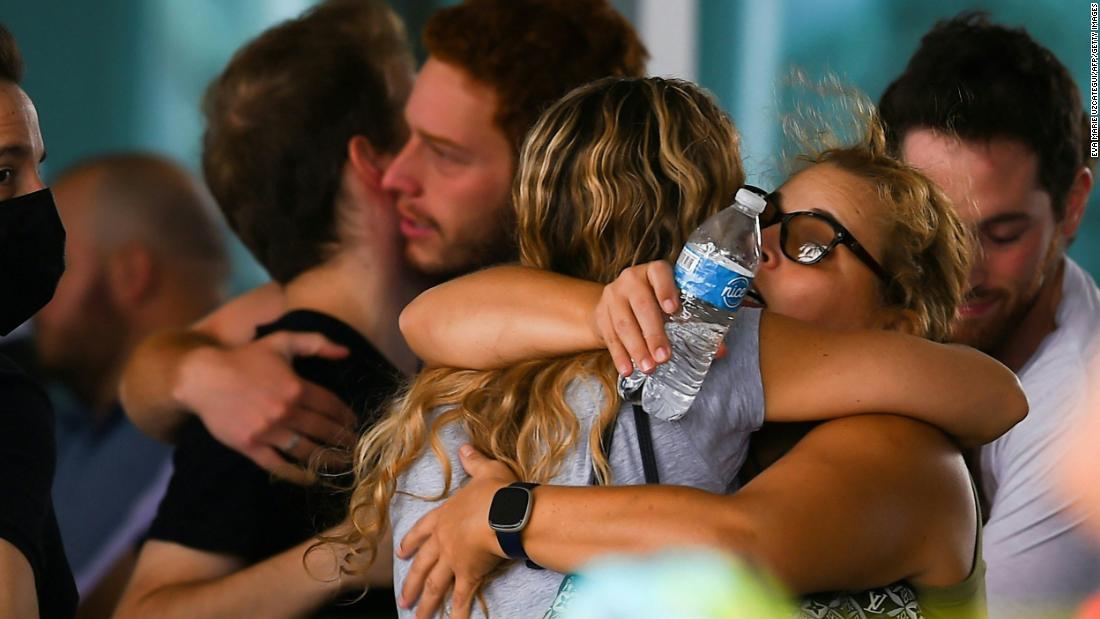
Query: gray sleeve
(730, 404)
(517, 591)
(422, 482)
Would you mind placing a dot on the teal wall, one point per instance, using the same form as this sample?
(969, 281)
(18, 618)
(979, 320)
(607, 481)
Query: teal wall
(128, 74)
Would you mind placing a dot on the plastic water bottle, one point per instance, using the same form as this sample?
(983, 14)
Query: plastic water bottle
(714, 271)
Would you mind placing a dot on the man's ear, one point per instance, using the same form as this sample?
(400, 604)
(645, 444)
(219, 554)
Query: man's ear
(1076, 199)
(366, 163)
(131, 274)
(900, 320)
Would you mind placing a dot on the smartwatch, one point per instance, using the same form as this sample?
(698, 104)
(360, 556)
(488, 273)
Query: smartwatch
(508, 516)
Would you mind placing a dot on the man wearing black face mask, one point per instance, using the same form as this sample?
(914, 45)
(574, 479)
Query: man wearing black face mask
(35, 579)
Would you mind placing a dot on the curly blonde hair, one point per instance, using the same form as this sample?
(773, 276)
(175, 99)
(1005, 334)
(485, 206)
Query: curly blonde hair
(618, 172)
(928, 250)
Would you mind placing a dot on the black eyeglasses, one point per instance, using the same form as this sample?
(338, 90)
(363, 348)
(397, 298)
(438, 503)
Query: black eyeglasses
(806, 237)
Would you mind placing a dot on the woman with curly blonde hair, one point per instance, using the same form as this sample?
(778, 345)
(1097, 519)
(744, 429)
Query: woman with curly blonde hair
(616, 174)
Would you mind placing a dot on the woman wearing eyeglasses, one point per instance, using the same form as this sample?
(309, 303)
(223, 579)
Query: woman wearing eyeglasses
(617, 173)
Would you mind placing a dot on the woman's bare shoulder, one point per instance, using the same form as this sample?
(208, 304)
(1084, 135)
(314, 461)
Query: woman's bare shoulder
(917, 468)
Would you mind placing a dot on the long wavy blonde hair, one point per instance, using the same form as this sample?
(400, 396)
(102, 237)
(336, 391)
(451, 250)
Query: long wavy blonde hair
(616, 173)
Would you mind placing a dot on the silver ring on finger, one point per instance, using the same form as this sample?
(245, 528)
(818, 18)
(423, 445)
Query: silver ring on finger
(291, 442)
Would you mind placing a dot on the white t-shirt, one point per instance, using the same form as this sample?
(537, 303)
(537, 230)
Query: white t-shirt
(1039, 558)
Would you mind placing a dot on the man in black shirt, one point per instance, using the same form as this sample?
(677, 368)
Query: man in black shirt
(35, 579)
(300, 126)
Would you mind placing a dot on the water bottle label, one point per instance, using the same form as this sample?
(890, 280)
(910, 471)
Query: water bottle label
(719, 282)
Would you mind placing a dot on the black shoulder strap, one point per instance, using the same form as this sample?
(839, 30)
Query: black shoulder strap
(645, 445)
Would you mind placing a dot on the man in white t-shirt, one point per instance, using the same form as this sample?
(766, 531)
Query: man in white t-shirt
(996, 120)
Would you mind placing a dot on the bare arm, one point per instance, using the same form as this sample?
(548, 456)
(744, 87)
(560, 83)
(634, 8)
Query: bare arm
(175, 581)
(811, 373)
(859, 503)
(17, 594)
(501, 315)
(246, 392)
(508, 314)
(148, 388)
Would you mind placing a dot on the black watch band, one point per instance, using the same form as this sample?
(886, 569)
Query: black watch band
(508, 515)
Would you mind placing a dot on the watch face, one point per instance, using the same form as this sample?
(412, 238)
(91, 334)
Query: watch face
(510, 509)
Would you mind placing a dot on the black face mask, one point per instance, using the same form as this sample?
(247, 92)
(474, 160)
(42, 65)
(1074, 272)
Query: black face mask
(32, 256)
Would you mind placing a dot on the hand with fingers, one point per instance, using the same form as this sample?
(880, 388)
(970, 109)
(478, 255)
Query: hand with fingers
(630, 316)
(452, 547)
(251, 400)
